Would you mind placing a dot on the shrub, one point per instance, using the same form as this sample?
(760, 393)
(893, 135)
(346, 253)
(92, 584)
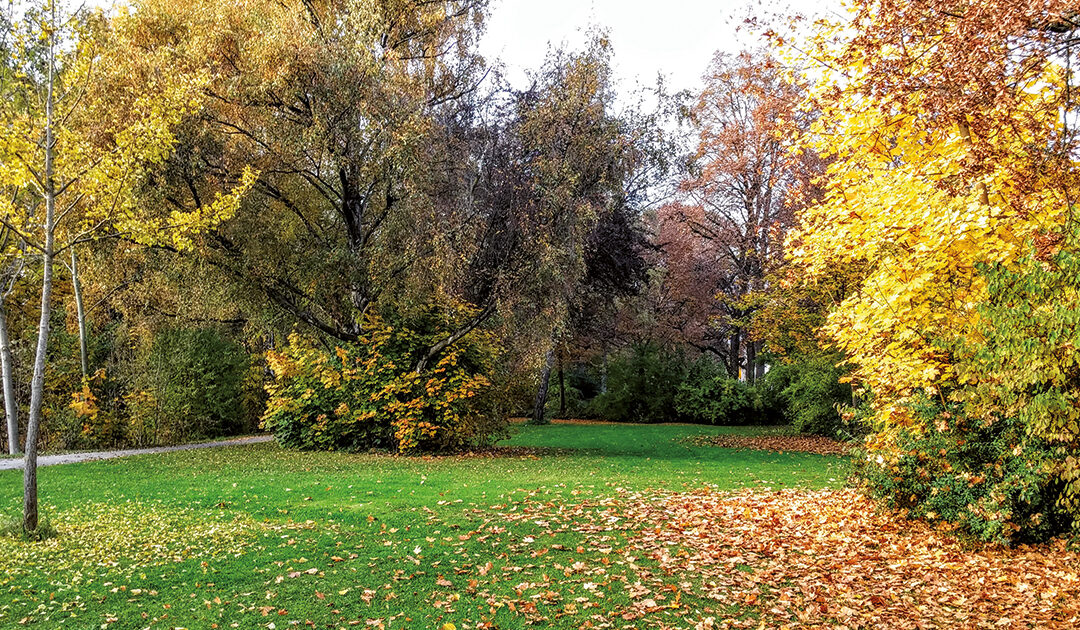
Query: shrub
(996, 451)
(61, 426)
(642, 384)
(366, 395)
(94, 411)
(709, 396)
(582, 386)
(994, 481)
(191, 386)
(649, 383)
(811, 394)
(576, 405)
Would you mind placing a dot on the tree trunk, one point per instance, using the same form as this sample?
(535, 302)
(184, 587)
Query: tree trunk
(751, 362)
(542, 391)
(80, 314)
(603, 373)
(11, 406)
(37, 383)
(562, 388)
(734, 350)
(759, 368)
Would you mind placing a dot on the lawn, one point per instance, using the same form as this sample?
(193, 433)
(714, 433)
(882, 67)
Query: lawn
(260, 537)
(572, 526)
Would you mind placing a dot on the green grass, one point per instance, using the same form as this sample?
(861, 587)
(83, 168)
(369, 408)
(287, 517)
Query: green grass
(250, 536)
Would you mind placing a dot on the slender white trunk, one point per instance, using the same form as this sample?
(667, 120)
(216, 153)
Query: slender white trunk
(80, 314)
(11, 407)
(37, 382)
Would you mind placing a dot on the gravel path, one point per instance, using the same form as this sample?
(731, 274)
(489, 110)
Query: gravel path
(73, 458)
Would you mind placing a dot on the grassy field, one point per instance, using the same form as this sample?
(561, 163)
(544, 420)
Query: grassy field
(260, 537)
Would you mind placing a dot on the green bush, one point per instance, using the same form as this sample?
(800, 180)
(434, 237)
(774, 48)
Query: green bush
(994, 481)
(709, 396)
(61, 427)
(996, 452)
(648, 383)
(577, 405)
(642, 383)
(810, 393)
(191, 386)
(366, 395)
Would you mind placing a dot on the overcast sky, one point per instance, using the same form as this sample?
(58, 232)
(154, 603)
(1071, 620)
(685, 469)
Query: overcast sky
(674, 37)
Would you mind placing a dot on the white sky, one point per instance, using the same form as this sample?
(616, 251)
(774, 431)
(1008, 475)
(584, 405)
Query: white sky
(674, 37)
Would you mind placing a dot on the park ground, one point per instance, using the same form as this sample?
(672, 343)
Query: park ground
(564, 526)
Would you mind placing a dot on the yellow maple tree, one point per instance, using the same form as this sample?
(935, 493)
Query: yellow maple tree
(918, 196)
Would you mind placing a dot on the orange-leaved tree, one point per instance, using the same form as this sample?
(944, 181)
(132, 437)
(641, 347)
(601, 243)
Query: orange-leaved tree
(745, 178)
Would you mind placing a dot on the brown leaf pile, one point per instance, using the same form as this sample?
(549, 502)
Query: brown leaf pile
(780, 443)
(822, 559)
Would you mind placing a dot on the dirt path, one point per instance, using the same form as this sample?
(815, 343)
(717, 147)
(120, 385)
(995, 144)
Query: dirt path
(74, 458)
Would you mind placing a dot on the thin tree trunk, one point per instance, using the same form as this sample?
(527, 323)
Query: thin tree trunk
(562, 388)
(751, 362)
(603, 373)
(11, 406)
(734, 350)
(542, 391)
(80, 314)
(37, 383)
(759, 368)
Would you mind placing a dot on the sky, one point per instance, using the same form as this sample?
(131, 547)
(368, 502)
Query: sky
(676, 38)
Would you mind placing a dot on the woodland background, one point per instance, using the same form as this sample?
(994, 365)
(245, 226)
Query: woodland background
(334, 220)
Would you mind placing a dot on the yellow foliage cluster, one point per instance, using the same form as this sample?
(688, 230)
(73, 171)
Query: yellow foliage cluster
(950, 179)
(368, 395)
(120, 116)
(902, 197)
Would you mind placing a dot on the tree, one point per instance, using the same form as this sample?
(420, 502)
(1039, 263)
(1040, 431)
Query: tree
(591, 170)
(738, 200)
(950, 130)
(354, 113)
(85, 119)
(942, 152)
(9, 247)
(390, 186)
(681, 306)
(12, 270)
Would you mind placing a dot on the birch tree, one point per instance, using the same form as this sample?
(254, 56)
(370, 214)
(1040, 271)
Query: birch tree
(10, 260)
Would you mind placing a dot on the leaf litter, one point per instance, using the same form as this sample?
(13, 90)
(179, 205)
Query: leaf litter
(816, 444)
(823, 559)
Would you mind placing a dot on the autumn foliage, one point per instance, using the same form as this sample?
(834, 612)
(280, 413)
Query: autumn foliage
(367, 395)
(950, 181)
(824, 559)
(736, 200)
